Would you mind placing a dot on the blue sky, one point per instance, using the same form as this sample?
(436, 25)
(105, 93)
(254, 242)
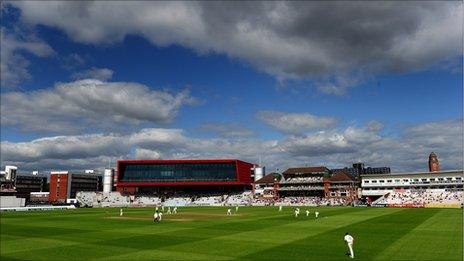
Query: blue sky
(332, 102)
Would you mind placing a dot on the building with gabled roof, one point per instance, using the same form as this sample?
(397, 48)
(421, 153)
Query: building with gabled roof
(306, 170)
(342, 185)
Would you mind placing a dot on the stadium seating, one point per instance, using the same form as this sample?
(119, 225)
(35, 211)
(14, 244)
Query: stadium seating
(311, 201)
(301, 187)
(421, 197)
(98, 199)
(115, 199)
(263, 202)
(243, 199)
(86, 199)
(304, 180)
(208, 201)
(177, 201)
(11, 202)
(146, 201)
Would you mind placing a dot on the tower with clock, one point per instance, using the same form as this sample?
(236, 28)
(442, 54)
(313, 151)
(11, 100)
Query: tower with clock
(434, 165)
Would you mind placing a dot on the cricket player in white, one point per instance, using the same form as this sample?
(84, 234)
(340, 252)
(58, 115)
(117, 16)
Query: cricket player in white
(349, 241)
(174, 211)
(120, 212)
(229, 212)
(297, 212)
(156, 216)
(160, 215)
(317, 214)
(169, 210)
(236, 208)
(280, 208)
(307, 213)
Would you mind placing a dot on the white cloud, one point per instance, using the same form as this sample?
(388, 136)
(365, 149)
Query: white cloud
(158, 138)
(73, 61)
(288, 40)
(331, 142)
(374, 126)
(228, 130)
(97, 149)
(407, 151)
(339, 84)
(14, 66)
(72, 107)
(295, 123)
(64, 148)
(146, 154)
(102, 74)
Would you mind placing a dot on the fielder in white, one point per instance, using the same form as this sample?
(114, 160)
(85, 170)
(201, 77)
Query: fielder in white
(280, 208)
(156, 216)
(174, 211)
(349, 242)
(120, 212)
(229, 212)
(169, 210)
(307, 213)
(297, 212)
(317, 214)
(236, 208)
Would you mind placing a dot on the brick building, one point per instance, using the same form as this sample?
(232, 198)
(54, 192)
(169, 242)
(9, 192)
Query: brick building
(65, 185)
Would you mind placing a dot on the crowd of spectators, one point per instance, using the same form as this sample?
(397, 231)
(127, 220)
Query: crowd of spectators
(208, 201)
(98, 199)
(304, 180)
(301, 187)
(245, 198)
(177, 201)
(262, 201)
(115, 199)
(311, 201)
(146, 201)
(397, 197)
(422, 196)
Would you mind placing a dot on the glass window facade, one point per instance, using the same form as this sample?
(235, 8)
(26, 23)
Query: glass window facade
(185, 172)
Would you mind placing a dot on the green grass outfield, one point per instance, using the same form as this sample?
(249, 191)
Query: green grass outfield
(255, 233)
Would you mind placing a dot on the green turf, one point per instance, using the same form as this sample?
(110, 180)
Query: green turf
(255, 233)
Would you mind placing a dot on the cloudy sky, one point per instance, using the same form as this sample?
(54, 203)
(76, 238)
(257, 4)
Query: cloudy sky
(285, 83)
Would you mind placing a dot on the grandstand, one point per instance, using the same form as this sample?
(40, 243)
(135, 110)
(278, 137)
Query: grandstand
(304, 181)
(311, 201)
(98, 199)
(422, 198)
(228, 183)
(115, 199)
(244, 198)
(267, 187)
(343, 186)
(167, 178)
(178, 202)
(421, 189)
(208, 201)
(311, 186)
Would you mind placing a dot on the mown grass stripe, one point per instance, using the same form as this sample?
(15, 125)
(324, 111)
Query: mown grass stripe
(249, 241)
(206, 233)
(422, 240)
(329, 245)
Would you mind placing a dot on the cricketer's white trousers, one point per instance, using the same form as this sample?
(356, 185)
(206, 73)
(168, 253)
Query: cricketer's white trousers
(350, 246)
